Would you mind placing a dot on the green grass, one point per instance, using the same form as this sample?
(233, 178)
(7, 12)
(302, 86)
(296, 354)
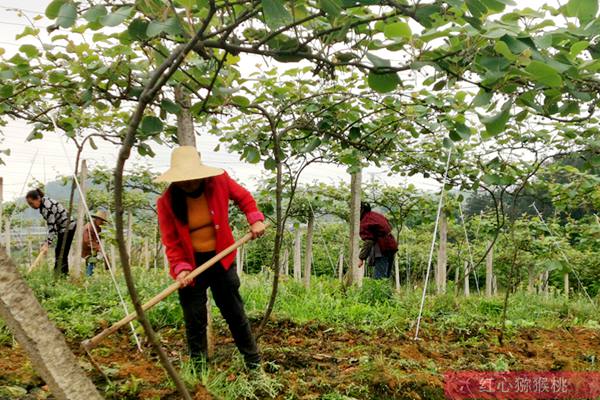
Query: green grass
(79, 309)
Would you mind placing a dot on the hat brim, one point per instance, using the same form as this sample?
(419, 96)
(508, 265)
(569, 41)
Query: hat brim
(99, 217)
(179, 175)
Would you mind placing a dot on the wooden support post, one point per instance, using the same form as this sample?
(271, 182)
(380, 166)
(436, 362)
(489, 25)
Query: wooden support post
(29, 251)
(356, 274)
(285, 266)
(113, 257)
(297, 254)
(310, 230)
(495, 286)
(76, 254)
(146, 254)
(566, 285)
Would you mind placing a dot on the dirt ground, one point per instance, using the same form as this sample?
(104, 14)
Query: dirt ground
(313, 360)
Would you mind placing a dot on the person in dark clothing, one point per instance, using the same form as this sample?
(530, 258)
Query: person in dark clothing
(60, 228)
(193, 216)
(379, 245)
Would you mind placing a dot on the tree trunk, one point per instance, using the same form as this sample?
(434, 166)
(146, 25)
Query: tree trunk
(566, 286)
(129, 233)
(467, 288)
(495, 286)
(442, 259)
(76, 259)
(39, 338)
(489, 271)
(308, 255)
(297, 254)
(355, 274)
(186, 135)
(165, 260)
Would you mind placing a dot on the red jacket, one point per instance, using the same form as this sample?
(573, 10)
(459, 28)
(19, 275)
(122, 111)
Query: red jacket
(176, 235)
(375, 227)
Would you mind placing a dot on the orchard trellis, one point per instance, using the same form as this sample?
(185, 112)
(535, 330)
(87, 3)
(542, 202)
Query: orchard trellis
(522, 64)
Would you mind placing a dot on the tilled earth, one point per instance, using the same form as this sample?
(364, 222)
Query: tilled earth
(313, 361)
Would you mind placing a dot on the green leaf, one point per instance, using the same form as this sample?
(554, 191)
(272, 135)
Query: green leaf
(502, 48)
(155, 28)
(463, 130)
(332, 8)
(482, 99)
(30, 50)
(312, 145)
(93, 144)
(578, 47)
(67, 15)
(383, 83)
(137, 29)
(584, 10)
(151, 125)
(240, 101)
(95, 13)
(170, 106)
(378, 61)
(270, 164)
(275, 14)
(189, 4)
(252, 155)
(491, 179)
(397, 30)
(544, 74)
(447, 143)
(495, 124)
(53, 8)
(476, 8)
(117, 17)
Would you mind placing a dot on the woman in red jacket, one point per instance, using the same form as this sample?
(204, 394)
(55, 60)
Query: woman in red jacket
(193, 216)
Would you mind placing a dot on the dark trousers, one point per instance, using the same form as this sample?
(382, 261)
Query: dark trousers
(224, 286)
(62, 265)
(384, 265)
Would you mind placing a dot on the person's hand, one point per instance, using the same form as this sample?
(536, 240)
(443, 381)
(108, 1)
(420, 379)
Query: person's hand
(257, 229)
(183, 278)
(44, 247)
(360, 263)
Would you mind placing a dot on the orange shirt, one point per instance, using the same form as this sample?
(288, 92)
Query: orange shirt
(202, 230)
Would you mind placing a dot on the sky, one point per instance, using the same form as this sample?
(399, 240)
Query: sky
(44, 160)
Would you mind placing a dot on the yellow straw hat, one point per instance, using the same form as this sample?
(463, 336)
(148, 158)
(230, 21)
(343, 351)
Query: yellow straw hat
(186, 166)
(101, 214)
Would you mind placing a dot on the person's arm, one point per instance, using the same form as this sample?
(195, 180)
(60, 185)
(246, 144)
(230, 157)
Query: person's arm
(170, 239)
(244, 200)
(365, 249)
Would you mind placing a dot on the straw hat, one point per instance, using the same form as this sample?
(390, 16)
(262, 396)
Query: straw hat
(103, 215)
(186, 165)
